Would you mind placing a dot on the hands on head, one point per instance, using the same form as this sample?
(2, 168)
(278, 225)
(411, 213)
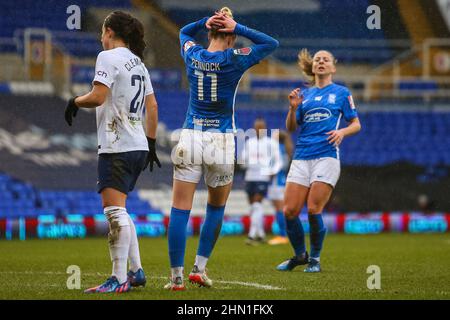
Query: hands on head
(221, 23)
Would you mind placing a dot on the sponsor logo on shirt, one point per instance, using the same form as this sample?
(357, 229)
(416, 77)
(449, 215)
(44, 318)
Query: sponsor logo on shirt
(317, 115)
(318, 98)
(243, 51)
(102, 73)
(187, 45)
(202, 122)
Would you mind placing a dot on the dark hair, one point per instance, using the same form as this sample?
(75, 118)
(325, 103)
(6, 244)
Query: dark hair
(129, 29)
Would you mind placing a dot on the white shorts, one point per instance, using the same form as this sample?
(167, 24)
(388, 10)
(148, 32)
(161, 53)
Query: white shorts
(211, 153)
(305, 172)
(275, 192)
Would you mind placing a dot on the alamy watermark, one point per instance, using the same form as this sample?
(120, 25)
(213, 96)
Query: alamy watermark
(374, 20)
(374, 280)
(74, 280)
(73, 22)
(213, 147)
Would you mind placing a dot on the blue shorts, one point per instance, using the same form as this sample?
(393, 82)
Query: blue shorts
(120, 171)
(256, 187)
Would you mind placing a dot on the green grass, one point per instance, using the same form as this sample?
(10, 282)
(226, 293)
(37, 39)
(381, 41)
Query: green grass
(412, 267)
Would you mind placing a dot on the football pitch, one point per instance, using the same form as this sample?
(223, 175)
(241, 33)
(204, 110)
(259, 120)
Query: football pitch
(412, 267)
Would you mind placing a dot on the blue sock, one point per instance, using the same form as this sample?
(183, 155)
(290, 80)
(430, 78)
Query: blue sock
(210, 230)
(296, 235)
(281, 223)
(177, 234)
(317, 233)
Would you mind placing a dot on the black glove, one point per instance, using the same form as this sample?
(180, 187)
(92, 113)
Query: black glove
(151, 157)
(71, 111)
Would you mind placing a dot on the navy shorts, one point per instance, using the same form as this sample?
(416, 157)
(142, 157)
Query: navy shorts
(256, 187)
(120, 171)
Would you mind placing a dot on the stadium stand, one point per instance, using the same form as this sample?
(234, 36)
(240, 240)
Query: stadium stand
(405, 138)
(18, 199)
(297, 25)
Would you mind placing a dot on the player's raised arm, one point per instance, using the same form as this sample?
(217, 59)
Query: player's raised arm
(188, 32)
(263, 43)
(294, 101)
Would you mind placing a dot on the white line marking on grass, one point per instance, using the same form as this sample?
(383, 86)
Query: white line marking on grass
(240, 283)
(98, 274)
(250, 284)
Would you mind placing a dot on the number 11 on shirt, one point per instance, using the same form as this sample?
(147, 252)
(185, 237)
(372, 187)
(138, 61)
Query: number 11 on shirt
(201, 77)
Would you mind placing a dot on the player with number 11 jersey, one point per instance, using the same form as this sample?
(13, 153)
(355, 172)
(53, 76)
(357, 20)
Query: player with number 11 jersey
(206, 144)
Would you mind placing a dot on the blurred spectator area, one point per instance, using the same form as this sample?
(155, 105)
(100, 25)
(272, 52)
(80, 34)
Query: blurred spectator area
(408, 58)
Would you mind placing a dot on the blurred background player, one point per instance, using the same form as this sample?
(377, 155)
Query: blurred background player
(315, 168)
(213, 75)
(121, 88)
(262, 162)
(276, 188)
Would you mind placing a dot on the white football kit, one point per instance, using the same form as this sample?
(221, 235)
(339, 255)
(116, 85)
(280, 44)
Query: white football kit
(262, 159)
(305, 172)
(211, 153)
(120, 118)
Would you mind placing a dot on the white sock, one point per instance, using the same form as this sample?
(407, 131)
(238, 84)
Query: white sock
(260, 216)
(119, 240)
(253, 222)
(133, 253)
(201, 262)
(177, 272)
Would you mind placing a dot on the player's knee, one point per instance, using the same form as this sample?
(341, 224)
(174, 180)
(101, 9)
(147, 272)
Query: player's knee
(314, 208)
(117, 217)
(290, 212)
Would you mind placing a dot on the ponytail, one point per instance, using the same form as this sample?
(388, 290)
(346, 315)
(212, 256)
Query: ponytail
(305, 62)
(129, 29)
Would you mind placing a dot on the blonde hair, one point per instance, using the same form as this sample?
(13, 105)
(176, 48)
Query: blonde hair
(305, 62)
(227, 11)
(213, 32)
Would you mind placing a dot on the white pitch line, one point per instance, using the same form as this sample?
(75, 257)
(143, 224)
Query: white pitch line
(98, 274)
(250, 284)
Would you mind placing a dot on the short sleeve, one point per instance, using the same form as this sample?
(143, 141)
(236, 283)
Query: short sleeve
(348, 106)
(105, 71)
(148, 83)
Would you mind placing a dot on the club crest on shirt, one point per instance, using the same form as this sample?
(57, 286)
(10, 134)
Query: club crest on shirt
(187, 45)
(243, 51)
(332, 98)
(351, 102)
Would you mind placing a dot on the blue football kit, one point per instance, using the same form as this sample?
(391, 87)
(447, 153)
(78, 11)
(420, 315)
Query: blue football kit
(320, 112)
(214, 76)
(213, 81)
